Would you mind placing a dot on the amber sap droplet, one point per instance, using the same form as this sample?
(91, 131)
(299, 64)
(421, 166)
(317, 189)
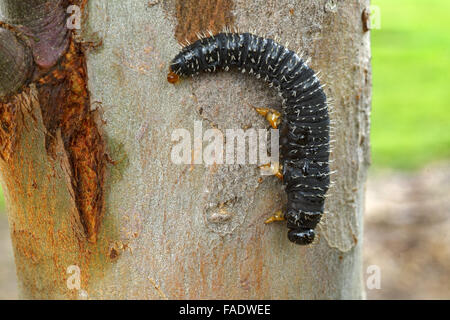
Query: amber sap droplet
(172, 77)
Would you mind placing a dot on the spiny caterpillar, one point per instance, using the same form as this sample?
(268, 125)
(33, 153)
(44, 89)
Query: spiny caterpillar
(304, 125)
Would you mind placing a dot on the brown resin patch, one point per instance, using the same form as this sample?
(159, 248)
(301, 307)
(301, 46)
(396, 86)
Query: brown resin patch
(198, 16)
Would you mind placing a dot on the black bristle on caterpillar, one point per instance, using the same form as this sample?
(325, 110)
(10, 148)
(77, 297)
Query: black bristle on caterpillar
(305, 124)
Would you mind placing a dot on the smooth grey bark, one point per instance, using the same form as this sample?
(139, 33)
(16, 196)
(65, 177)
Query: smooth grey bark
(161, 236)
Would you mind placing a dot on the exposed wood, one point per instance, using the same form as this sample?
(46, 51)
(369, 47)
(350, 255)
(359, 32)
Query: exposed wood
(66, 109)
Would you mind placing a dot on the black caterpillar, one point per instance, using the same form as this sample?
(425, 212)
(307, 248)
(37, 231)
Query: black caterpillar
(305, 124)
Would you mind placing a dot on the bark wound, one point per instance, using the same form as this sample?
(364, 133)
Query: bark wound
(215, 15)
(65, 104)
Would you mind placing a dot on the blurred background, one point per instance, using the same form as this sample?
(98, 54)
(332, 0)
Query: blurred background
(407, 220)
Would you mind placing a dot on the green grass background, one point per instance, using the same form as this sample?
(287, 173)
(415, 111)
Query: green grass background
(411, 89)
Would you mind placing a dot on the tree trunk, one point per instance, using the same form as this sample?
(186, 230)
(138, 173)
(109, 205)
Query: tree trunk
(152, 229)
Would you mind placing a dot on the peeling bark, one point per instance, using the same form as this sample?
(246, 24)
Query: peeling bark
(54, 111)
(45, 225)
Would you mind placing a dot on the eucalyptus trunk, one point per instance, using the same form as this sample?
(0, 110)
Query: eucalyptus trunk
(97, 208)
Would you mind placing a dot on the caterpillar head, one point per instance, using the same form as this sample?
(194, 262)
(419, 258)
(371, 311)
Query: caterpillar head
(177, 66)
(186, 63)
